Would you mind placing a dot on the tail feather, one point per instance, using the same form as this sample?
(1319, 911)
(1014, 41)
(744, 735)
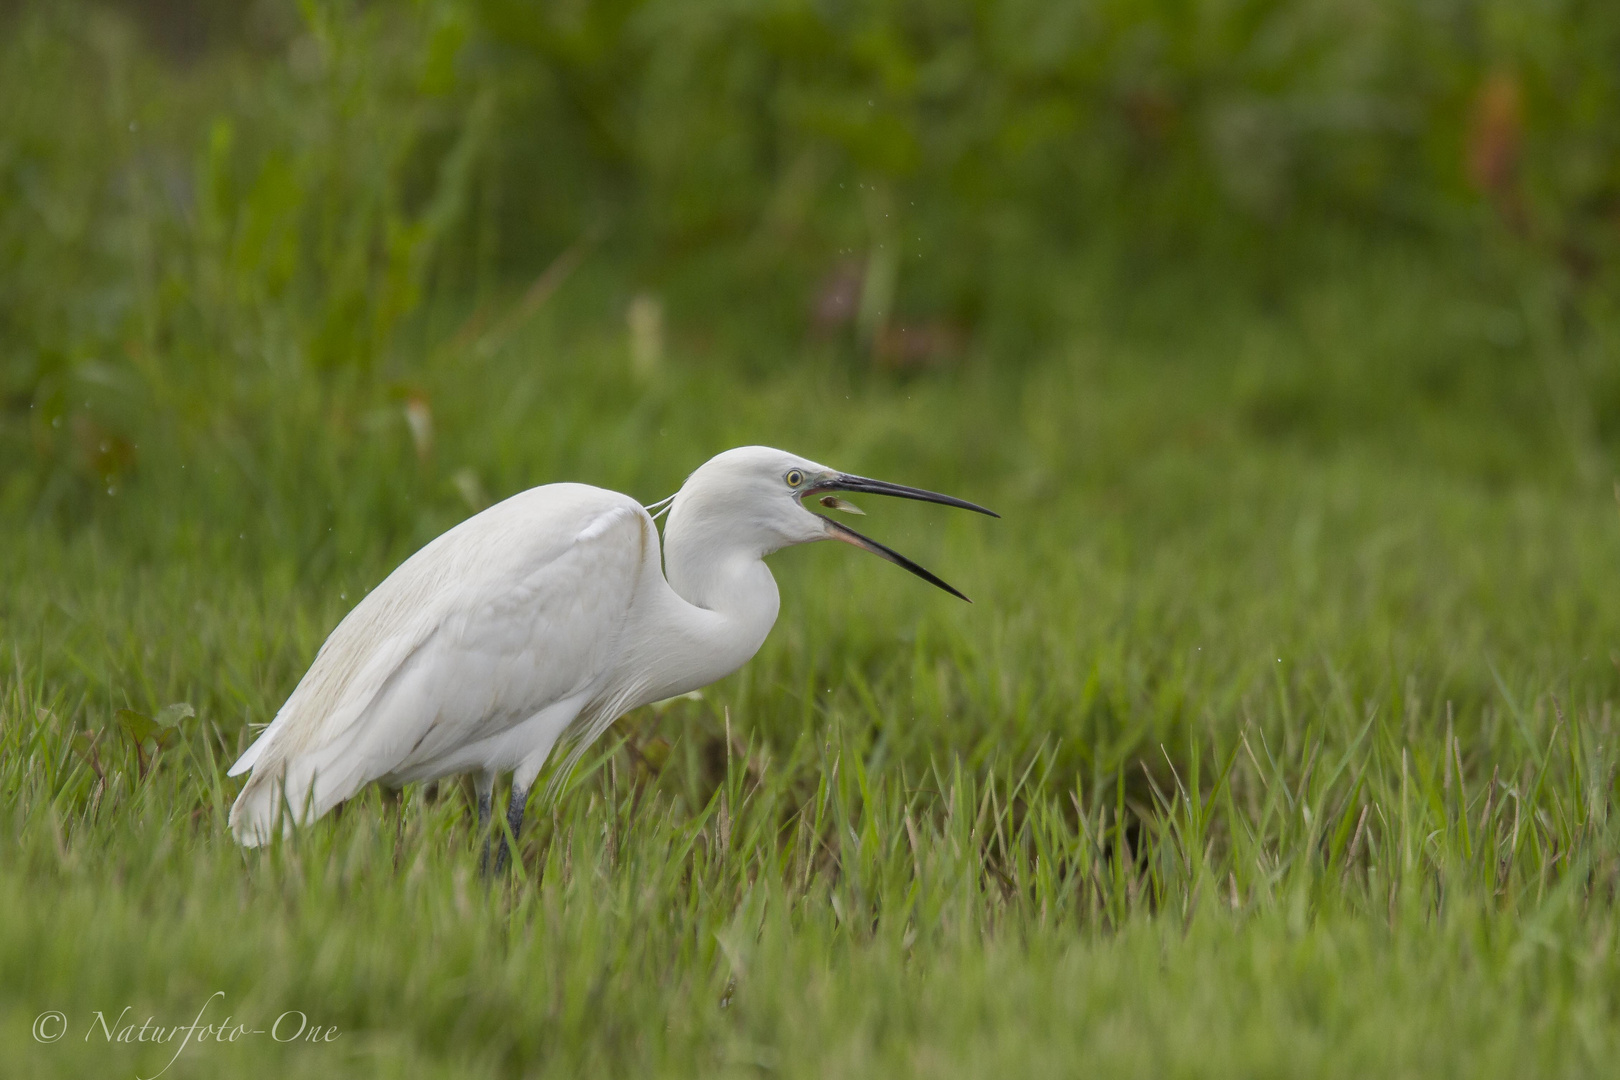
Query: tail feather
(281, 794)
(250, 756)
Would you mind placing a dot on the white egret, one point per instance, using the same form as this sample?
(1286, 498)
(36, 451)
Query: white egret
(546, 614)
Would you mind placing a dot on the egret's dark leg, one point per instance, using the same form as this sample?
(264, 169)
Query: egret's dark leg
(486, 802)
(514, 821)
(395, 800)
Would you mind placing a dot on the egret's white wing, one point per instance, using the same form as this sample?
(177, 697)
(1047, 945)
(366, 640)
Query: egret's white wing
(515, 609)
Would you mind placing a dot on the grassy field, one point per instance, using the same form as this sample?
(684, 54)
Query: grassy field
(1279, 739)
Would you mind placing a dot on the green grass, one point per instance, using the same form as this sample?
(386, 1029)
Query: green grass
(1278, 741)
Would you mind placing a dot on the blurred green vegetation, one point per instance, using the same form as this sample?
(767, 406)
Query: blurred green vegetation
(281, 183)
(200, 206)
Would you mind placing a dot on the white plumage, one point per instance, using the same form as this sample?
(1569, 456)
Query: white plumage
(545, 614)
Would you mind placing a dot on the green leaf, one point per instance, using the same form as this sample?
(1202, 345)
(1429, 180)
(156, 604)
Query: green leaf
(170, 715)
(138, 726)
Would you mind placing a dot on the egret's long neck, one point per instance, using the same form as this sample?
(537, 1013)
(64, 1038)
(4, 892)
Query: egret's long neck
(730, 598)
(709, 572)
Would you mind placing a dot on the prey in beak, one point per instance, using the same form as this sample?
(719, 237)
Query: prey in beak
(822, 490)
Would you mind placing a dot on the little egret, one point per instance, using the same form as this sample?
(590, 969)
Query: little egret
(545, 614)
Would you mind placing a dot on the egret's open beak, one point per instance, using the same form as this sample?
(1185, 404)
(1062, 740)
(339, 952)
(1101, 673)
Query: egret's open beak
(837, 531)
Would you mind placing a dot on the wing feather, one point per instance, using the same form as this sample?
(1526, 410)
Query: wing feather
(514, 609)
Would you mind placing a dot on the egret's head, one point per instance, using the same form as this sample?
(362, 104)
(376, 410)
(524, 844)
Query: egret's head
(759, 497)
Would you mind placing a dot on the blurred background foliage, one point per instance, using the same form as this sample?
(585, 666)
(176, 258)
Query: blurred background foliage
(202, 205)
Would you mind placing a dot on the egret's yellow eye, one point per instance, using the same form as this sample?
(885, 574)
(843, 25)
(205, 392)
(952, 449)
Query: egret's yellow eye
(794, 478)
